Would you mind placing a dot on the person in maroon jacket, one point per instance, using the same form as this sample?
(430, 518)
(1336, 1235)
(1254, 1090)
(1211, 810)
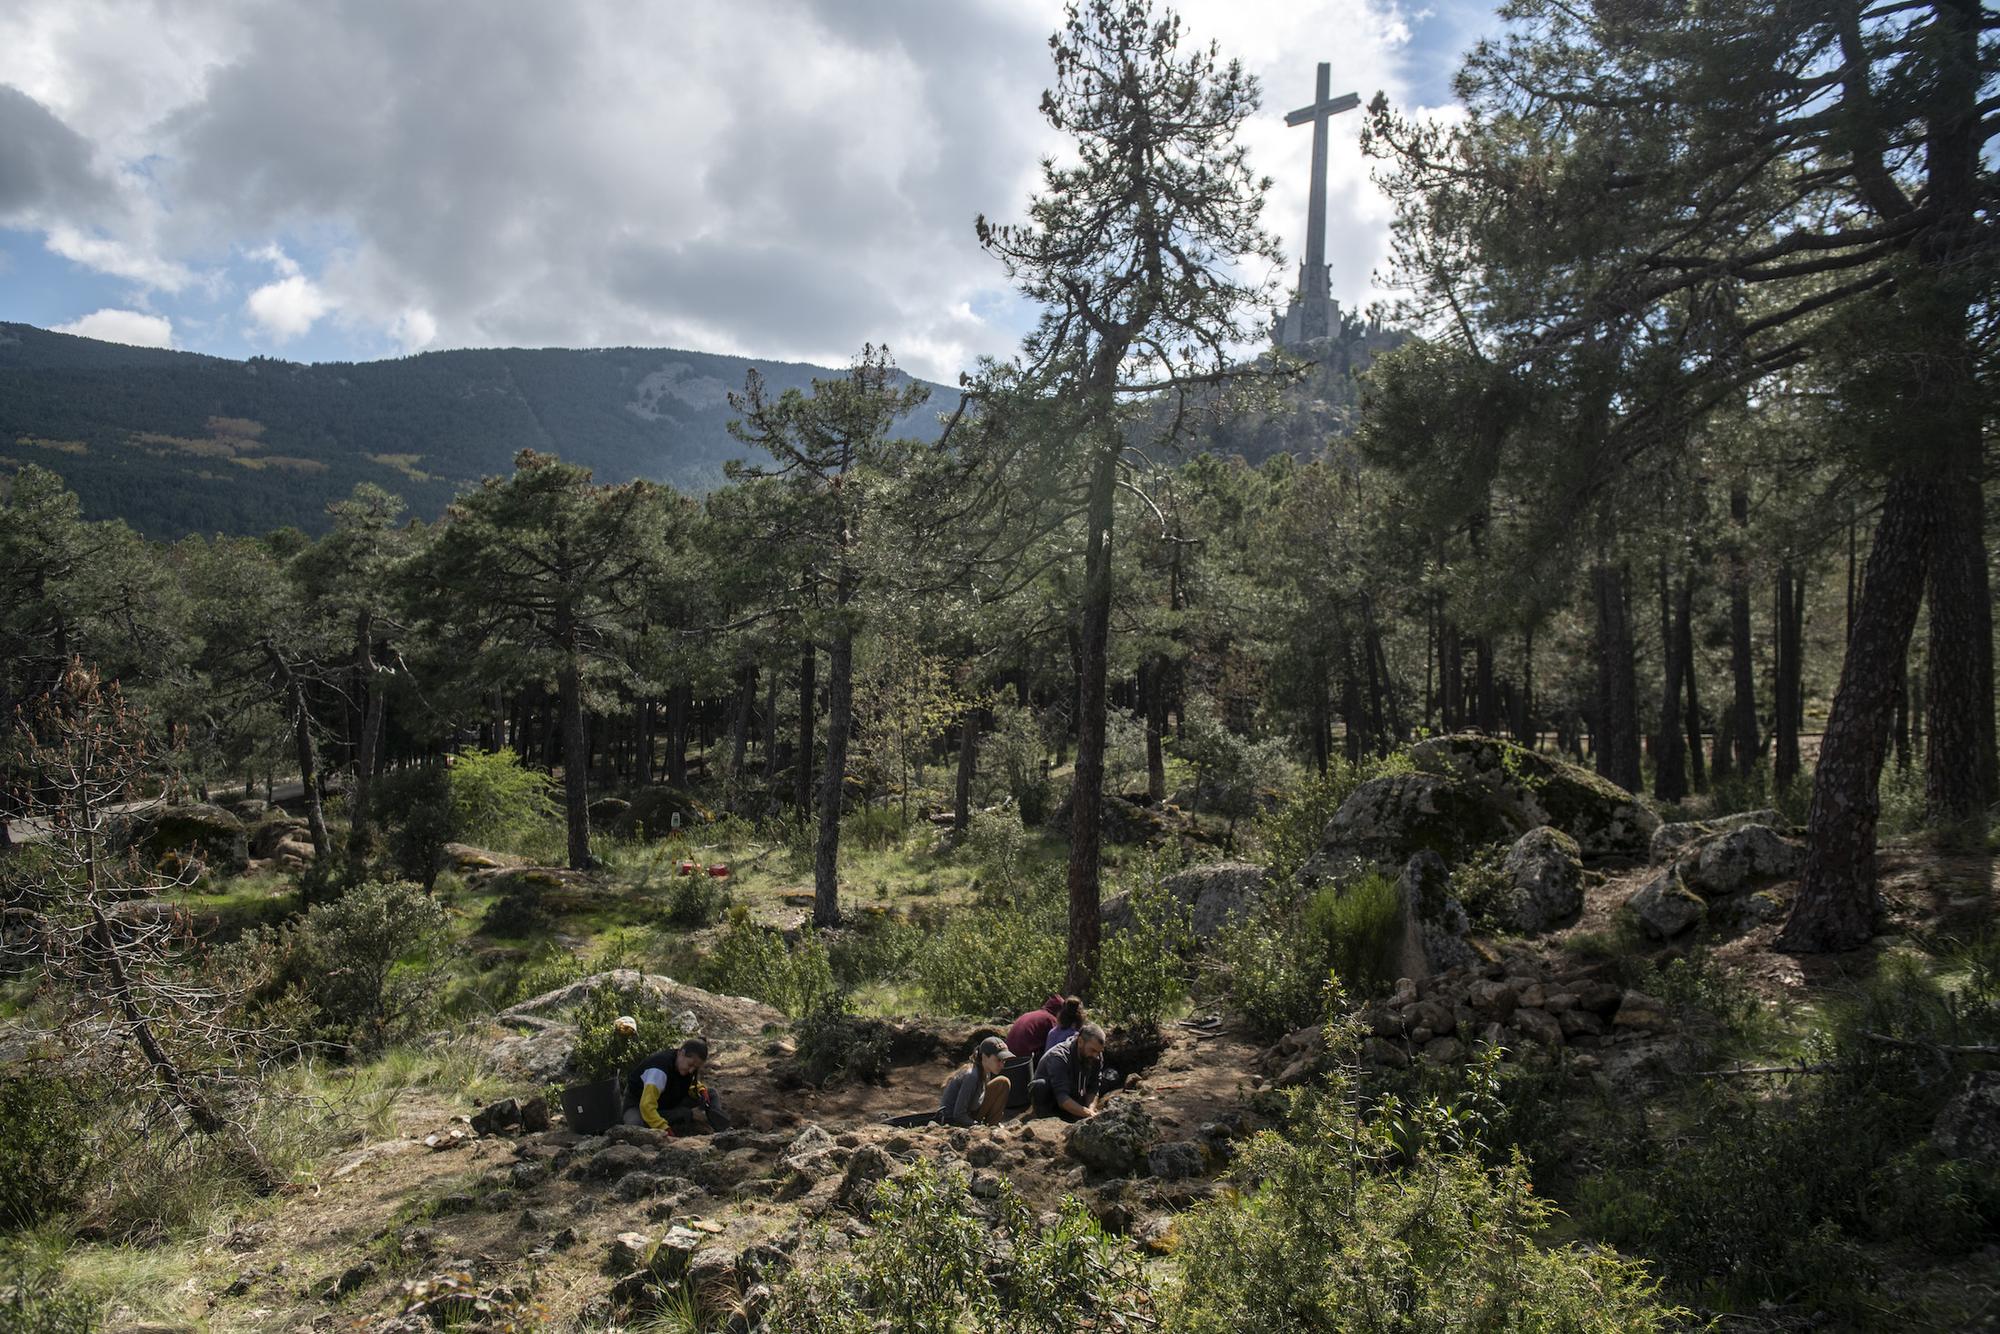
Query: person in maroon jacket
(1030, 1033)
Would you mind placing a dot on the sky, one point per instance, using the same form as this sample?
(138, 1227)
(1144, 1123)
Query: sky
(329, 180)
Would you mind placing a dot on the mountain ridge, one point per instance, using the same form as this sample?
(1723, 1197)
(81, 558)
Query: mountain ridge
(178, 442)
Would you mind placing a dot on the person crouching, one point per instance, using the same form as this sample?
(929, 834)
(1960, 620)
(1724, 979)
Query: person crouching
(664, 1091)
(977, 1094)
(1069, 1081)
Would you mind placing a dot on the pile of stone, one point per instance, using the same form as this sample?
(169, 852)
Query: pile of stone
(1521, 1006)
(1715, 872)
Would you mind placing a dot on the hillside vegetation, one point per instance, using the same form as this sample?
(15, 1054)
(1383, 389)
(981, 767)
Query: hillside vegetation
(176, 442)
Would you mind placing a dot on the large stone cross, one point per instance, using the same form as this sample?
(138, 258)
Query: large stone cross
(1315, 292)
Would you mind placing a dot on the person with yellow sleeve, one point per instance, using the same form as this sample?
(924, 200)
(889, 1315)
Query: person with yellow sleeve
(664, 1091)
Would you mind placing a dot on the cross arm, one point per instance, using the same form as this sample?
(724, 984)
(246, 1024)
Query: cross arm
(1332, 106)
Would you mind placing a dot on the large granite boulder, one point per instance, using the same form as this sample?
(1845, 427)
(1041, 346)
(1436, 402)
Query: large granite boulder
(202, 830)
(1213, 895)
(1713, 872)
(1545, 877)
(1737, 859)
(1387, 820)
(1535, 790)
(1669, 839)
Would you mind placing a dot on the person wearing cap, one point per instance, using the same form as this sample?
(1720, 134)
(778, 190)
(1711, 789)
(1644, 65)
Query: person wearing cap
(664, 1091)
(977, 1094)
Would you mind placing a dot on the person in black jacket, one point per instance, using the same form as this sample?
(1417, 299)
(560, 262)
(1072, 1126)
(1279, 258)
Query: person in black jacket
(665, 1091)
(1070, 1078)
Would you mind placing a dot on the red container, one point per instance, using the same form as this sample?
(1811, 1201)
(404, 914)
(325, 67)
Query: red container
(687, 868)
(719, 871)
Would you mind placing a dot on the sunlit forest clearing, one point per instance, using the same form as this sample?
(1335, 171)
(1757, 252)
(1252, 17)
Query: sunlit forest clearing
(1474, 815)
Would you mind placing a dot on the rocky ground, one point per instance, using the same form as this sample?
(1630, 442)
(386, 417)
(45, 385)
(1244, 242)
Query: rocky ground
(581, 1226)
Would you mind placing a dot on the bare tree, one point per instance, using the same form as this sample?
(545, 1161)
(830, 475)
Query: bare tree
(112, 952)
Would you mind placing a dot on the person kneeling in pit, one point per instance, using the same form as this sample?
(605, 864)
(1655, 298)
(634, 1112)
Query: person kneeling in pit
(977, 1094)
(1071, 1076)
(665, 1091)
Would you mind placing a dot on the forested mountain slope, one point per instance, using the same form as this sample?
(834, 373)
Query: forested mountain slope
(177, 442)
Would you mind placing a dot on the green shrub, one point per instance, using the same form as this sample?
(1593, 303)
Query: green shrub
(696, 900)
(1354, 926)
(1141, 977)
(414, 807)
(997, 845)
(1479, 881)
(498, 804)
(929, 1265)
(1383, 1221)
(1273, 965)
(33, 1300)
(872, 829)
(601, 1050)
(365, 968)
(873, 947)
(1016, 751)
(1269, 972)
(45, 1155)
(754, 961)
(984, 961)
(1784, 1190)
(834, 1042)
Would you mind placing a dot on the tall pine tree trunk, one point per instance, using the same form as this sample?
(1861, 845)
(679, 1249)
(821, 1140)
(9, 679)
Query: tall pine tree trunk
(374, 703)
(968, 760)
(1836, 906)
(1524, 696)
(576, 760)
(1486, 703)
(802, 763)
(1153, 703)
(302, 741)
(1684, 646)
(1616, 739)
(1790, 682)
(746, 700)
(1742, 652)
(1087, 790)
(1670, 764)
(833, 783)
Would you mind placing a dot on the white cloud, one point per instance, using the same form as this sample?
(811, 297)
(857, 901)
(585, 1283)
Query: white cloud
(123, 326)
(287, 308)
(785, 178)
(414, 330)
(118, 258)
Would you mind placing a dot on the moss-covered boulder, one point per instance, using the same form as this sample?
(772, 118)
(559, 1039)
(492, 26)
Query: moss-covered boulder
(1387, 820)
(198, 829)
(1533, 789)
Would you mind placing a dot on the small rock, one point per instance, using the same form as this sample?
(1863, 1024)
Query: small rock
(629, 1251)
(985, 1185)
(1176, 1160)
(350, 1279)
(495, 1117)
(1664, 907)
(1968, 1126)
(535, 1115)
(1539, 1026)
(1444, 1051)
(1643, 1013)
(1114, 1140)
